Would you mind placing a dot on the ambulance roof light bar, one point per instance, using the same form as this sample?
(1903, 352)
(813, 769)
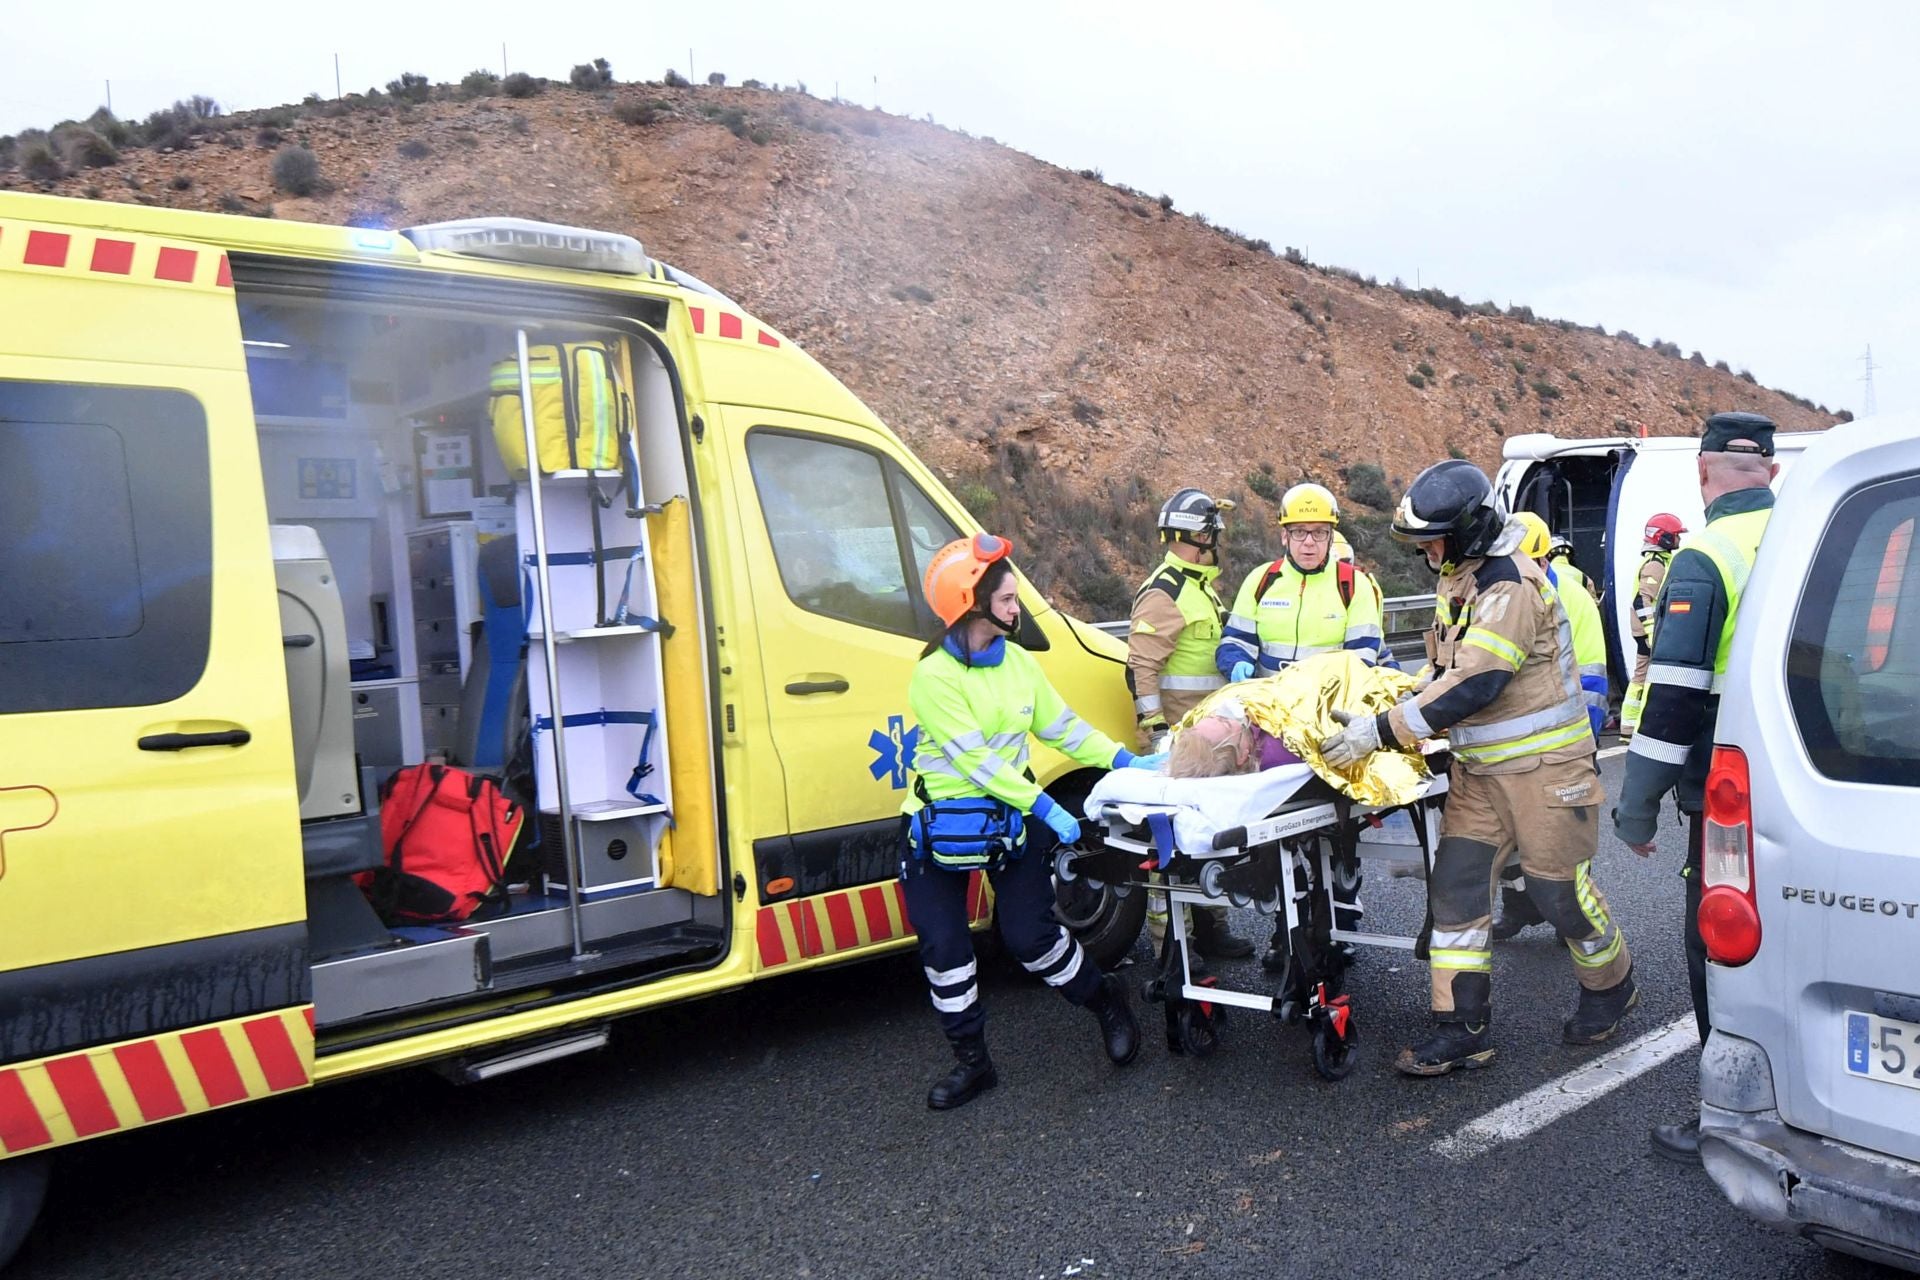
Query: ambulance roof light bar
(543, 244)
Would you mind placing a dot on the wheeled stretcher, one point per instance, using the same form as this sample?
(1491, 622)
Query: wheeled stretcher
(1282, 841)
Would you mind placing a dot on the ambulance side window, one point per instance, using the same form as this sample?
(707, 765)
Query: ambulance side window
(106, 546)
(851, 533)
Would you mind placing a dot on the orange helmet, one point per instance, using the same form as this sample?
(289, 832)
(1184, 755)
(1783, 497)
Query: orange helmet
(956, 569)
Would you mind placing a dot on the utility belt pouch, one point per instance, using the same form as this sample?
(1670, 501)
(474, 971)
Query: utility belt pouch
(967, 834)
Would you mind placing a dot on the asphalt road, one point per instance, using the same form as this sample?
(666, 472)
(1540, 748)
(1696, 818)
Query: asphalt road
(783, 1132)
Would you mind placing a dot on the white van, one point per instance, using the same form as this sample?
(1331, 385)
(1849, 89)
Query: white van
(1600, 492)
(1810, 1083)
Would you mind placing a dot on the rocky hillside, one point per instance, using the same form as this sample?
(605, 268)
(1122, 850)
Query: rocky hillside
(1063, 349)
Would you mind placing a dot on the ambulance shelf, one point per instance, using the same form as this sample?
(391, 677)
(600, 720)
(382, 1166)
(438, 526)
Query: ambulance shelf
(570, 474)
(612, 810)
(598, 633)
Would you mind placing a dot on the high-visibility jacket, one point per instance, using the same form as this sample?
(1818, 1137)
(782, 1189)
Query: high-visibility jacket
(1589, 640)
(1170, 642)
(1300, 615)
(1505, 690)
(975, 717)
(1692, 637)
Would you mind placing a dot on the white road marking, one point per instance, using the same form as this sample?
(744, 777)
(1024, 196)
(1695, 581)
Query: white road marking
(1610, 752)
(1533, 1111)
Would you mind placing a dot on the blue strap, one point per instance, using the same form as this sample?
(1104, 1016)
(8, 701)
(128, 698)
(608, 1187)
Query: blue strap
(643, 766)
(574, 559)
(1161, 825)
(587, 719)
(626, 589)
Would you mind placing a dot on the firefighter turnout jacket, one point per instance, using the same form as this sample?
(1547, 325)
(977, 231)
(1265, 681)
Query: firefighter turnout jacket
(1646, 598)
(1300, 615)
(1692, 636)
(1170, 643)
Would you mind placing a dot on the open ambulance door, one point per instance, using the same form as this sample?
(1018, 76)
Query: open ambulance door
(152, 920)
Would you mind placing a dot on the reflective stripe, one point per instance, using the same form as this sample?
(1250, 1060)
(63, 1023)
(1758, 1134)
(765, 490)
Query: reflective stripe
(953, 977)
(932, 764)
(1597, 953)
(1570, 735)
(1654, 749)
(1364, 631)
(1475, 941)
(1683, 677)
(1468, 961)
(954, 748)
(957, 1004)
(1240, 628)
(1021, 756)
(1518, 726)
(1146, 706)
(1052, 957)
(1416, 719)
(1065, 976)
(1192, 683)
(1011, 738)
(1075, 736)
(1719, 682)
(1061, 723)
(1295, 652)
(1497, 645)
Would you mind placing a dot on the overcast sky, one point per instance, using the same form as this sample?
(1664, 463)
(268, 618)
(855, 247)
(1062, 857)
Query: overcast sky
(1740, 179)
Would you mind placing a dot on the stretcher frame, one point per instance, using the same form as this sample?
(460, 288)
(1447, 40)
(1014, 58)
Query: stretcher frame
(1317, 829)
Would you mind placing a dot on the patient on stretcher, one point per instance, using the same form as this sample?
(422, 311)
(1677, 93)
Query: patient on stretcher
(1224, 741)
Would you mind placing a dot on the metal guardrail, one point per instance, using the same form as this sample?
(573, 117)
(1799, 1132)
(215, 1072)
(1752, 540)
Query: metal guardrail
(1407, 619)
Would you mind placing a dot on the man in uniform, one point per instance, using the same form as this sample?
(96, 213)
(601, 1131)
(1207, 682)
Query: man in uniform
(1692, 636)
(1308, 602)
(1170, 644)
(1517, 910)
(1506, 695)
(1660, 539)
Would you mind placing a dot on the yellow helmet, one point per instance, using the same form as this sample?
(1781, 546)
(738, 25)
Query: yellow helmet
(1342, 549)
(1309, 504)
(1538, 540)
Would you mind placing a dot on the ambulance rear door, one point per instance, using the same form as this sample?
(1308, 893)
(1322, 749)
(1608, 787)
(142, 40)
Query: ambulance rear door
(152, 913)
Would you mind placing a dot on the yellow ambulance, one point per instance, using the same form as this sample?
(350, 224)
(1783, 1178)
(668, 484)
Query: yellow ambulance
(268, 536)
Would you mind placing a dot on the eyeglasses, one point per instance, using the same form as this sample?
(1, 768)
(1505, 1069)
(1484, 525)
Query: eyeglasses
(1311, 535)
(987, 548)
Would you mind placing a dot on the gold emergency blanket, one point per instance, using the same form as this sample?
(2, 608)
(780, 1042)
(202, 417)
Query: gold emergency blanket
(1297, 707)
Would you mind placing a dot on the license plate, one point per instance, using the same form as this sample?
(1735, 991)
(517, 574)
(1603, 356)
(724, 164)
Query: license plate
(1883, 1049)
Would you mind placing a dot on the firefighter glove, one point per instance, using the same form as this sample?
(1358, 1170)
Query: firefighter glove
(1358, 738)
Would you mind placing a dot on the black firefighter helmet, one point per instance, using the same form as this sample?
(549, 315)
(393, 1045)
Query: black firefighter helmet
(1452, 500)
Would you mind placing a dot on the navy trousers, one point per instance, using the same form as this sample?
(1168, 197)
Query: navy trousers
(1023, 909)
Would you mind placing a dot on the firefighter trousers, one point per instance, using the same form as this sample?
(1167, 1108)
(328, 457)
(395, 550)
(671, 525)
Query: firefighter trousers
(1022, 909)
(1549, 817)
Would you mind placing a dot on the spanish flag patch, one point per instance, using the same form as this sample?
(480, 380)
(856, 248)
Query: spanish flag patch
(1680, 606)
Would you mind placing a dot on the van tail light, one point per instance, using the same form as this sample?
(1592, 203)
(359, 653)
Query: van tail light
(1729, 908)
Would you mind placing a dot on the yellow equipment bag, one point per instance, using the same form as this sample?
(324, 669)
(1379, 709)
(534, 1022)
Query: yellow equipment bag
(580, 411)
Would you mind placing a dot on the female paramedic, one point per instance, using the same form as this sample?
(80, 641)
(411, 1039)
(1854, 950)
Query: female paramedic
(976, 697)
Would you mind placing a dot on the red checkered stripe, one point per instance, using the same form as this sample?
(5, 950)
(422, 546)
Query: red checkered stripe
(727, 325)
(105, 255)
(807, 928)
(73, 1096)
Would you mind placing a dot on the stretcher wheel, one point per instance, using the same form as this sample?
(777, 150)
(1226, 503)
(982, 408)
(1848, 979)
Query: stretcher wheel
(1063, 863)
(1210, 875)
(1335, 1055)
(1240, 899)
(1199, 1034)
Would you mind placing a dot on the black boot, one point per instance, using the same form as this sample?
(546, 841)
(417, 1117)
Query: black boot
(1599, 1013)
(1212, 939)
(1678, 1142)
(973, 1077)
(1517, 912)
(1467, 1046)
(1117, 1027)
(1278, 954)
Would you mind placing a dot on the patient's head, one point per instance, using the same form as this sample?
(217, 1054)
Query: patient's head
(1212, 747)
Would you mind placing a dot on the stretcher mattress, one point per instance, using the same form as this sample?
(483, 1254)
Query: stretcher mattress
(1202, 807)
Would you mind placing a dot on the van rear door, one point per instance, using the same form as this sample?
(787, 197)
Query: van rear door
(152, 913)
(1834, 761)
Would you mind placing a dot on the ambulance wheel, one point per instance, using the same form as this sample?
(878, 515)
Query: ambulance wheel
(23, 1187)
(1104, 921)
(1199, 1036)
(1335, 1055)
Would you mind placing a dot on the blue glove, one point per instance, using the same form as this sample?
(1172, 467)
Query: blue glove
(1063, 823)
(1154, 763)
(1241, 671)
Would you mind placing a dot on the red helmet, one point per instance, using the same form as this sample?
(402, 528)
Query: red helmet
(1663, 531)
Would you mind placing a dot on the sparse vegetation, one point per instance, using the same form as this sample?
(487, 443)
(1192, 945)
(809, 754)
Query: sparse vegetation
(521, 85)
(1367, 484)
(1262, 482)
(597, 74)
(86, 149)
(520, 125)
(231, 203)
(1666, 348)
(1545, 390)
(410, 87)
(479, 83)
(638, 113)
(296, 171)
(267, 139)
(415, 149)
(1424, 369)
(1455, 451)
(674, 80)
(1166, 203)
(717, 79)
(181, 182)
(1723, 366)
(913, 292)
(37, 161)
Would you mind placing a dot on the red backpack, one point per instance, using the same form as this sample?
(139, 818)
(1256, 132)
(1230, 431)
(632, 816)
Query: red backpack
(447, 834)
(1343, 574)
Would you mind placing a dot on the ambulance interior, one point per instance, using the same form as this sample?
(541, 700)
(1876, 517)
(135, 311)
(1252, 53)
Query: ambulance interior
(410, 603)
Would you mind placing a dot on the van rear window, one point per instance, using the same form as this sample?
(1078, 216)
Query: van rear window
(106, 545)
(1853, 671)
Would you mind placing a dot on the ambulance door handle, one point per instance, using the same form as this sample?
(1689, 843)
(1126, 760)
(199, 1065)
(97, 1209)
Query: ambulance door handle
(185, 741)
(804, 687)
